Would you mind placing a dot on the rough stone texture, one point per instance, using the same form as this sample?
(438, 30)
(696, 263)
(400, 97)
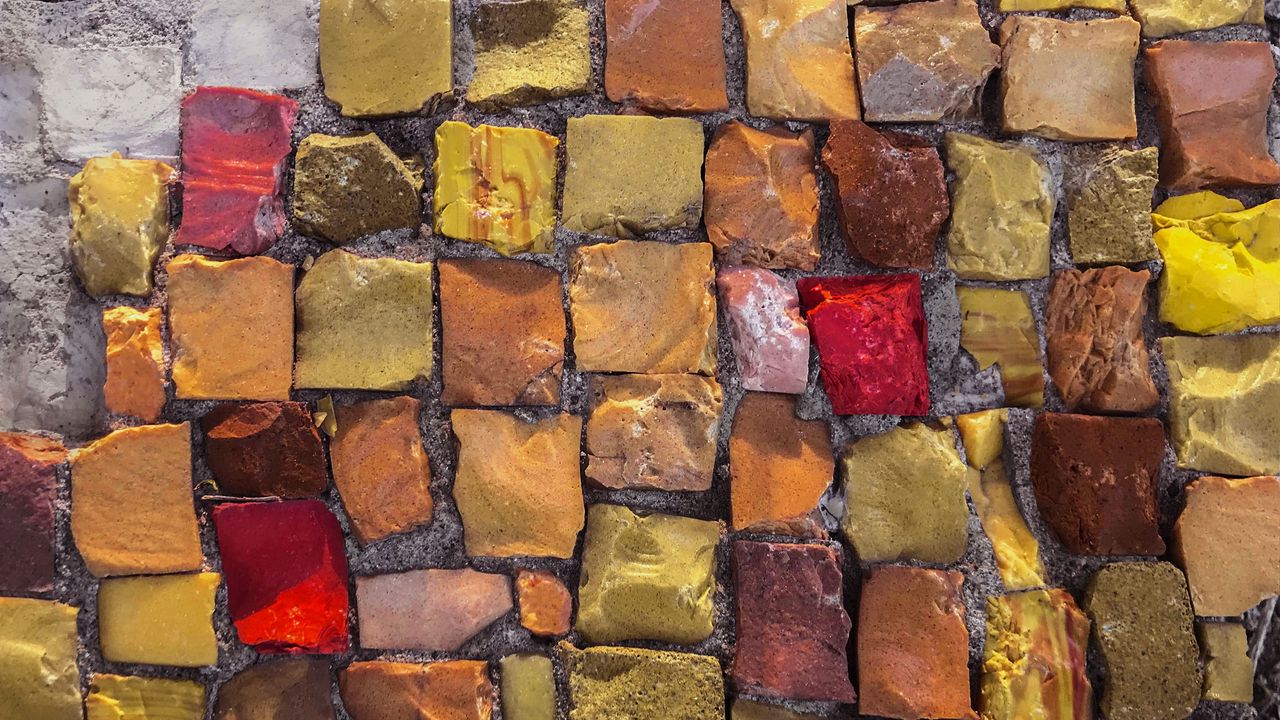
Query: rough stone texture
(246, 43)
(265, 449)
(159, 619)
(1224, 403)
(546, 605)
(1016, 5)
(435, 609)
(1033, 663)
(135, 362)
(120, 697)
(528, 687)
(347, 187)
(131, 502)
(665, 55)
(1005, 181)
(39, 677)
(517, 484)
(761, 197)
(1162, 18)
(748, 710)
(653, 431)
(646, 577)
(913, 648)
(1228, 540)
(770, 340)
(1109, 212)
(792, 628)
(616, 683)
(504, 332)
(1211, 103)
(380, 467)
(451, 689)
(607, 192)
(529, 51)
(291, 689)
(28, 490)
(998, 328)
(799, 64)
(119, 223)
(922, 62)
(1142, 626)
(779, 467)
(622, 297)
(1228, 669)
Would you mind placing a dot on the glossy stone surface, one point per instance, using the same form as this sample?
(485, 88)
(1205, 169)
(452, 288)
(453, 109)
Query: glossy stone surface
(159, 619)
(38, 673)
(289, 689)
(1228, 669)
(546, 605)
(380, 468)
(1162, 18)
(123, 697)
(665, 55)
(135, 362)
(28, 491)
(998, 328)
(286, 570)
(646, 577)
(517, 484)
(438, 610)
(529, 51)
(792, 628)
(913, 648)
(1228, 541)
(606, 683)
(119, 223)
(653, 431)
(246, 43)
(528, 687)
(265, 449)
(1033, 663)
(761, 198)
(504, 332)
(770, 339)
(364, 323)
(347, 187)
(451, 689)
(871, 338)
(622, 297)
(1109, 213)
(779, 467)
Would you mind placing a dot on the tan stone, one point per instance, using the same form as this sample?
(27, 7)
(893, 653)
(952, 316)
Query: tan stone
(1162, 18)
(997, 328)
(1228, 540)
(135, 362)
(437, 610)
(448, 690)
(779, 467)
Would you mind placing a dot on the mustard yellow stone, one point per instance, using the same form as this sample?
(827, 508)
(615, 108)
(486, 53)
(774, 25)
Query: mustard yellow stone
(496, 185)
(38, 673)
(1161, 18)
(529, 51)
(1228, 670)
(1222, 269)
(121, 697)
(1033, 663)
(119, 223)
(997, 328)
(159, 619)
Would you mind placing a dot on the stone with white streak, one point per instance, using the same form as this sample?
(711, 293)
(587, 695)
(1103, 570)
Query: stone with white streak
(770, 340)
(254, 44)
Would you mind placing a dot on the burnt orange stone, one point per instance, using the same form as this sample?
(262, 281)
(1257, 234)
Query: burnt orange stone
(265, 449)
(779, 467)
(135, 362)
(28, 490)
(665, 55)
(545, 603)
(448, 690)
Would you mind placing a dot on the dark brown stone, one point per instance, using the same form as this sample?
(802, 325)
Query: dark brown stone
(1095, 482)
(264, 449)
(28, 488)
(294, 689)
(892, 193)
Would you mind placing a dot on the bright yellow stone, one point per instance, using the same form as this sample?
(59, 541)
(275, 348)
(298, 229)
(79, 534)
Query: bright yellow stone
(119, 223)
(1018, 5)
(159, 619)
(496, 185)
(121, 697)
(1161, 18)
(1195, 205)
(1222, 269)
(983, 436)
(1033, 663)
(997, 328)
(38, 674)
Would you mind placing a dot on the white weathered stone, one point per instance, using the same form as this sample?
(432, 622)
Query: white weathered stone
(20, 121)
(254, 44)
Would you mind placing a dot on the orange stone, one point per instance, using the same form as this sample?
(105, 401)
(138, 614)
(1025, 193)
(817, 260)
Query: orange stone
(545, 603)
(448, 690)
(665, 55)
(135, 362)
(779, 466)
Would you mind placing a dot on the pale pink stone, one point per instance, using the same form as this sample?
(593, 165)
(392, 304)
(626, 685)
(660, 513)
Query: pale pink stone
(770, 340)
(429, 609)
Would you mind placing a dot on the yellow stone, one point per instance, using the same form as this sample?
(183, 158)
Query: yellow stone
(748, 710)
(121, 697)
(135, 362)
(364, 323)
(1033, 663)
(1031, 5)
(997, 328)
(1161, 18)
(39, 679)
(496, 185)
(528, 687)
(530, 51)
(983, 436)
(1228, 670)
(119, 223)
(385, 57)
(159, 620)
(1222, 269)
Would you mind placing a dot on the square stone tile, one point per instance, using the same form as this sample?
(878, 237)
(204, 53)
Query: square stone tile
(159, 619)
(246, 43)
(529, 51)
(665, 55)
(606, 683)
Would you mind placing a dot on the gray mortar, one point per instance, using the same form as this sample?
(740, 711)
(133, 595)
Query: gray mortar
(956, 385)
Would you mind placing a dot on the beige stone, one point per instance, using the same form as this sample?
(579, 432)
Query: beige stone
(438, 610)
(135, 362)
(1162, 18)
(1228, 541)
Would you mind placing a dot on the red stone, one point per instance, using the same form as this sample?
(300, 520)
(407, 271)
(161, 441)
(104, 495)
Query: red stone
(792, 627)
(265, 449)
(286, 574)
(234, 146)
(872, 341)
(28, 488)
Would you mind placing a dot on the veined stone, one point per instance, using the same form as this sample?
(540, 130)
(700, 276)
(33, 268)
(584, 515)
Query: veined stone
(135, 362)
(1110, 211)
(38, 646)
(246, 43)
(291, 689)
(159, 619)
(28, 492)
(119, 223)
(606, 683)
(997, 328)
(453, 689)
(436, 610)
(1228, 540)
(528, 687)
(770, 340)
(1162, 18)
(117, 697)
(347, 187)
(1228, 669)
(1033, 663)
(529, 51)
(779, 467)
(665, 55)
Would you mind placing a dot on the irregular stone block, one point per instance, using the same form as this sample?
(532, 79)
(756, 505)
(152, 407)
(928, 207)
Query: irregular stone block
(438, 610)
(665, 56)
(653, 431)
(265, 449)
(638, 684)
(347, 187)
(923, 62)
(529, 52)
(622, 297)
(119, 223)
(517, 485)
(286, 570)
(528, 687)
(364, 323)
(245, 43)
(135, 362)
(291, 689)
(28, 491)
(1162, 18)
(504, 331)
(159, 619)
(770, 340)
(546, 606)
(1142, 625)
(761, 198)
(454, 689)
(871, 339)
(1109, 214)
(779, 467)
(891, 190)
(116, 697)
(1228, 669)
(1228, 540)
(607, 192)
(646, 577)
(385, 57)
(791, 625)
(997, 328)
(38, 673)
(231, 328)
(1005, 181)
(1033, 663)
(1212, 100)
(799, 63)
(913, 648)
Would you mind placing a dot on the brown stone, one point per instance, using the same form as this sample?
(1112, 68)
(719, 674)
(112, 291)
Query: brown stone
(265, 449)
(292, 689)
(504, 331)
(435, 609)
(779, 467)
(665, 55)
(546, 605)
(892, 193)
(1097, 355)
(1095, 482)
(653, 431)
(135, 362)
(1212, 100)
(1228, 540)
(761, 197)
(446, 690)
(380, 467)
(28, 490)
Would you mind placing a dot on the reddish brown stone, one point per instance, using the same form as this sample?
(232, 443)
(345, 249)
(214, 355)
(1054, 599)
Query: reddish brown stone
(779, 467)
(545, 603)
(447, 690)
(665, 55)
(1212, 100)
(265, 449)
(28, 488)
(892, 193)
(1097, 353)
(1095, 482)
(293, 689)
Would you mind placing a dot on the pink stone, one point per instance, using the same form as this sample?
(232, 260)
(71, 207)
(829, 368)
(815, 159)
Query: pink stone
(770, 340)
(429, 609)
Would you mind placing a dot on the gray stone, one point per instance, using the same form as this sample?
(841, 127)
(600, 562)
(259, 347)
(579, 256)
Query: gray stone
(254, 44)
(20, 121)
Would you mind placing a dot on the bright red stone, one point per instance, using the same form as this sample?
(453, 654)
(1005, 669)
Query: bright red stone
(872, 342)
(286, 573)
(234, 144)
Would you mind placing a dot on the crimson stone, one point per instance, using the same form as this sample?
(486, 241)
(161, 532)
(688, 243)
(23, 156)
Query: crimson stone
(262, 449)
(872, 338)
(286, 574)
(28, 488)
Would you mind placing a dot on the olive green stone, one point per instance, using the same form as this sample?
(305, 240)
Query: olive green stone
(1110, 212)
(347, 187)
(747, 710)
(528, 687)
(616, 683)
(1228, 671)
(529, 51)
